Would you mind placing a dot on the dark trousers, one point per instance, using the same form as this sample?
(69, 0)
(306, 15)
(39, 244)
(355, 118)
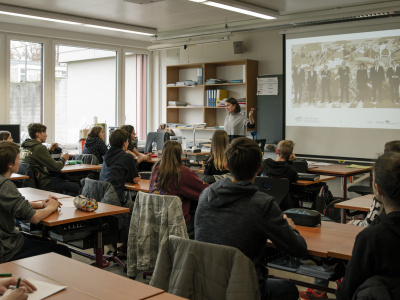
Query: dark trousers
(394, 91)
(34, 245)
(279, 289)
(377, 91)
(63, 186)
(326, 89)
(344, 90)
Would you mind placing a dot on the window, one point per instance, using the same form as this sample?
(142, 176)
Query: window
(26, 84)
(85, 90)
(136, 92)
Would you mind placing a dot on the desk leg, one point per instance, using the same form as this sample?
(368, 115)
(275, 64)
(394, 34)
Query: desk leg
(344, 217)
(99, 250)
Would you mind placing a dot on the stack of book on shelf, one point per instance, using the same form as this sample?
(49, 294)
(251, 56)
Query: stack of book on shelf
(177, 103)
(214, 97)
(242, 102)
(190, 82)
(171, 84)
(175, 125)
(237, 81)
(216, 81)
(180, 83)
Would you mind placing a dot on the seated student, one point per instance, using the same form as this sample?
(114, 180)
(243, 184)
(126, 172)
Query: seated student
(37, 155)
(15, 294)
(13, 244)
(376, 248)
(216, 162)
(94, 143)
(170, 177)
(6, 136)
(234, 213)
(140, 157)
(119, 167)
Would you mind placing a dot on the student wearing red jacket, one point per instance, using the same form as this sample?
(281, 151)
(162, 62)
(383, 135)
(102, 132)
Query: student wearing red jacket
(170, 177)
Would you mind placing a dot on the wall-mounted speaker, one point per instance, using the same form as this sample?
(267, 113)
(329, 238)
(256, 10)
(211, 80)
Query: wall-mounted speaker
(238, 47)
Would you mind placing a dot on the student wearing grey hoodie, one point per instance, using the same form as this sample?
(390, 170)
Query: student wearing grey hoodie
(235, 213)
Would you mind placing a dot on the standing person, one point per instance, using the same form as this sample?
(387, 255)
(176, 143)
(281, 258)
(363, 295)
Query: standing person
(39, 157)
(312, 83)
(234, 213)
(393, 73)
(14, 245)
(326, 83)
(6, 136)
(344, 74)
(375, 250)
(362, 80)
(140, 157)
(235, 123)
(377, 77)
(298, 77)
(94, 143)
(170, 177)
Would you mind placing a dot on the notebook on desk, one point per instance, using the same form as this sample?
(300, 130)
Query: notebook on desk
(308, 176)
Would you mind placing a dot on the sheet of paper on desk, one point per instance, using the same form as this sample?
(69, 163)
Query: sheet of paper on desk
(316, 163)
(44, 289)
(67, 204)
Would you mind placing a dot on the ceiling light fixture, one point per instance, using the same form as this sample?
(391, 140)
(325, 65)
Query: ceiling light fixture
(241, 7)
(75, 20)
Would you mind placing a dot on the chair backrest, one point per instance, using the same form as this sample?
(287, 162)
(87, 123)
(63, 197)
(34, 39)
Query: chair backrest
(199, 270)
(261, 143)
(379, 287)
(154, 218)
(89, 159)
(159, 137)
(100, 190)
(275, 187)
(28, 170)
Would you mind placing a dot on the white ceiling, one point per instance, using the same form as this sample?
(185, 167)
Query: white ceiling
(179, 17)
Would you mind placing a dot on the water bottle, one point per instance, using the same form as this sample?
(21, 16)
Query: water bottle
(154, 146)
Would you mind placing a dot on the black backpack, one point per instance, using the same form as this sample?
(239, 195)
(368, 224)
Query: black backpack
(325, 204)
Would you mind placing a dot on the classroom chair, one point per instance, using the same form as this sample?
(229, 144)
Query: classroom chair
(159, 137)
(199, 270)
(275, 187)
(154, 218)
(89, 159)
(28, 170)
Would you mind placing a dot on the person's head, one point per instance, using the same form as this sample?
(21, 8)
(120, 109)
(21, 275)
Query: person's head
(37, 131)
(96, 131)
(387, 179)
(285, 149)
(119, 139)
(376, 63)
(392, 146)
(244, 159)
(5, 136)
(325, 67)
(219, 143)
(394, 63)
(232, 106)
(169, 166)
(343, 63)
(9, 157)
(312, 67)
(362, 66)
(131, 132)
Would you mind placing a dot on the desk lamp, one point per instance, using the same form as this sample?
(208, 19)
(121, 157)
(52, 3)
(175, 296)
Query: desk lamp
(194, 134)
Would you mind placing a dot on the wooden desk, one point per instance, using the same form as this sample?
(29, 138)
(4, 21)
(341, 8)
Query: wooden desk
(362, 203)
(69, 214)
(32, 194)
(82, 278)
(340, 171)
(81, 167)
(165, 296)
(201, 156)
(16, 176)
(142, 186)
(308, 182)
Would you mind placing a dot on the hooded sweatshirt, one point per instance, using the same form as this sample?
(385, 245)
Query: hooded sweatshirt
(38, 156)
(375, 252)
(238, 215)
(118, 168)
(12, 205)
(281, 169)
(95, 146)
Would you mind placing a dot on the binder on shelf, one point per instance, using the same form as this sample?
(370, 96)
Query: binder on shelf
(200, 75)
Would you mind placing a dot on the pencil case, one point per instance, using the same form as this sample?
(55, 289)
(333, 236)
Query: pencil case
(304, 217)
(75, 162)
(85, 204)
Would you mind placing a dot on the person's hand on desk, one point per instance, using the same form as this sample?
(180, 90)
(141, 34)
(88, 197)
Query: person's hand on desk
(50, 200)
(290, 221)
(17, 294)
(142, 158)
(136, 179)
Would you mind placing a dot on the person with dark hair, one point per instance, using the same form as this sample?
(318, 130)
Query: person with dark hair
(13, 244)
(393, 73)
(235, 123)
(39, 157)
(140, 157)
(6, 136)
(312, 81)
(119, 167)
(94, 143)
(344, 74)
(326, 83)
(170, 177)
(377, 77)
(376, 248)
(220, 218)
(362, 81)
(392, 146)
